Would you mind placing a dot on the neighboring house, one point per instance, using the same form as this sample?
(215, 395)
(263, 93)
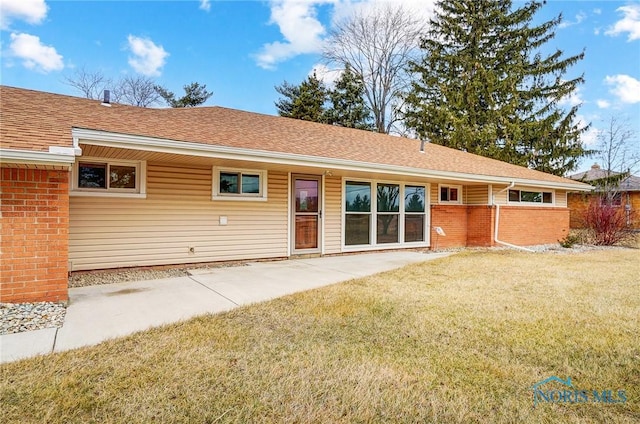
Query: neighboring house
(626, 195)
(87, 185)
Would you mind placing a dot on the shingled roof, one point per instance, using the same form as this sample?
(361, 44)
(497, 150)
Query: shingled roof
(631, 183)
(35, 121)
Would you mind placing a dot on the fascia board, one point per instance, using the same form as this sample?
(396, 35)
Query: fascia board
(126, 141)
(35, 158)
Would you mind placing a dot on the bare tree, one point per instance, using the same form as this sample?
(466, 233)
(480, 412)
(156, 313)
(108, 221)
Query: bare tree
(137, 91)
(619, 153)
(90, 84)
(377, 44)
(131, 90)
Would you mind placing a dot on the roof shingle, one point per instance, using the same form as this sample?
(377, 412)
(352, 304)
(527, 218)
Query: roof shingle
(33, 120)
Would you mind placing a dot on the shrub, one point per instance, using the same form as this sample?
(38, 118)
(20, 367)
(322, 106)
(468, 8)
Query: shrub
(607, 222)
(569, 241)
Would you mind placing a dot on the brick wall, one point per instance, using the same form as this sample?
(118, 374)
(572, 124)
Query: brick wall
(467, 225)
(578, 202)
(480, 225)
(453, 220)
(34, 204)
(533, 225)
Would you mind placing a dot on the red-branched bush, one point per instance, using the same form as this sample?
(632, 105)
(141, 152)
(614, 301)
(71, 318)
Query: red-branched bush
(608, 223)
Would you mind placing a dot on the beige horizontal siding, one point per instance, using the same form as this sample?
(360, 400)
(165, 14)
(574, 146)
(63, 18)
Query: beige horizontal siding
(435, 194)
(332, 215)
(476, 195)
(561, 198)
(177, 214)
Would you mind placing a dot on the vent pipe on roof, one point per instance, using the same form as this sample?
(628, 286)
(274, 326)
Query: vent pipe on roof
(106, 101)
(422, 142)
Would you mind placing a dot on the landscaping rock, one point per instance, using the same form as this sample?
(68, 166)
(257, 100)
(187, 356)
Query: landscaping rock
(19, 317)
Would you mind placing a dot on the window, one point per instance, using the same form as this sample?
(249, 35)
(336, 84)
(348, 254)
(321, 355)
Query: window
(414, 213)
(99, 177)
(239, 184)
(396, 214)
(450, 194)
(358, 213)
(388, 207)
(531, 196)
(611, 199)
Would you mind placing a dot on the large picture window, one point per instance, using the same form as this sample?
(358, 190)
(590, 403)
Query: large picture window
(239, 184)
(384, 213)
(414, 213)
(99, 177)
(388, 207)
(358, 213)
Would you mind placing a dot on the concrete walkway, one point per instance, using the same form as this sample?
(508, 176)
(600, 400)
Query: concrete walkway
(102, 312)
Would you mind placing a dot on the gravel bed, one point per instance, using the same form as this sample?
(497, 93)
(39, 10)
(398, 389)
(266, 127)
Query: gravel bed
(19, 317)
(122, 276)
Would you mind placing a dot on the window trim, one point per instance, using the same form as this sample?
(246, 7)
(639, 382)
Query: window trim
(261, 196)
(373, 245)
(541, 191)
(450, 202)
(139, 192)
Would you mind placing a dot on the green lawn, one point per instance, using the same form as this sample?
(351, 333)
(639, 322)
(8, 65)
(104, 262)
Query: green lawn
(460, 339)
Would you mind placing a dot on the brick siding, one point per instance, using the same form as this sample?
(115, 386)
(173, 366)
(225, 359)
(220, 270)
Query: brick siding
(473, 226)
(533, 225)
(34, 204)
(578, 202)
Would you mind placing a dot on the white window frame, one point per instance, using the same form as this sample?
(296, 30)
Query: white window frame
(373, 245)
(533, 190)
(449, 202)
(139, 192)
(256, 197)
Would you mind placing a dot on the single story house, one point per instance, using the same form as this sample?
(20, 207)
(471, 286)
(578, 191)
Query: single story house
(90, 185)
(627, 195)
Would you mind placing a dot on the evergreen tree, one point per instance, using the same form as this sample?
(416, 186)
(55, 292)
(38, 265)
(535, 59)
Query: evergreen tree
(484, 86)
(348, 108)
(305, 101)
(194, 95)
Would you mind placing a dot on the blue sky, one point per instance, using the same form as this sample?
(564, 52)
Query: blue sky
(242, 49)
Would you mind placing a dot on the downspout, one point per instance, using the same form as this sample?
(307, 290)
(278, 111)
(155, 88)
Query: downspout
(495, 231)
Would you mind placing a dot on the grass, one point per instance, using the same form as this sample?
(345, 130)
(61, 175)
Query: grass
(460, 339)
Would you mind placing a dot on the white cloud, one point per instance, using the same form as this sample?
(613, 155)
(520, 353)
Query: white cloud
(325, 74)
(34, 54)
(205, 5)
(589, 137)
(603, 104)
(302, 31)
(346, 8)
(579, 18)
(147, 57)
(300, 28)
(31, 11)
(625, 87)
(629, 23)
(597, 11)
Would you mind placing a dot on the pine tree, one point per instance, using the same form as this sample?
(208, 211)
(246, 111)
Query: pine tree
(194, 95)
(484, 86)
(305, 101)
(348, 108)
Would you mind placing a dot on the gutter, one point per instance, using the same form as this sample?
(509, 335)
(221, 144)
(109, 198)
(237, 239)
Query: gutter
(152, 144)
(56, 156)
(495, 231)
